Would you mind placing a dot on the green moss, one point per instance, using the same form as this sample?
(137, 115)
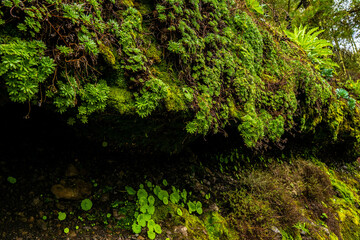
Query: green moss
(121, 100)
(107, 53)
(127, 3)
(217, 227)
(153, 53)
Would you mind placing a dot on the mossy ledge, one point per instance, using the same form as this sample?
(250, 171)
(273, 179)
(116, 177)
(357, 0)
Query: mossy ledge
(168, 66)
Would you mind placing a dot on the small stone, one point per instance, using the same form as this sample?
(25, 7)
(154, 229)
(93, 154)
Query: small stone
(140, 238)
(182, 230)
(275, 229)
(214, 208)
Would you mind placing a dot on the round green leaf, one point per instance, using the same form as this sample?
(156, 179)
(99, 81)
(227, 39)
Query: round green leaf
(86, 204)
(151, 200)
(66, 230)
(158, 229)
(165, 200)
(61, 216)
(136, 228)
(144, 208)
(151, 225)
(141, 193)
(151, 234)
(151, 209)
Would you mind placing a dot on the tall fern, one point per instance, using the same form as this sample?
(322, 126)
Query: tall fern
(318, 50)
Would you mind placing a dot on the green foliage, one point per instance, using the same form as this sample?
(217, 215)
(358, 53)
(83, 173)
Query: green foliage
(66, 230)
(255, 5)
(147, 204)
(203, 69)
(86, 204)
(317, 49)
(23, 66)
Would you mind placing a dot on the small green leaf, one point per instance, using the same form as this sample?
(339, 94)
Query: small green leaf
(136, 228)
(165, 183)
(66, 230)
(141, 193)
(86, 204)
(179, 212)
(44, 218)
(61, 216)
(151, 200)
(130, 190)
(158, 229)
(151, 234)
(151, 209)
(11, 180)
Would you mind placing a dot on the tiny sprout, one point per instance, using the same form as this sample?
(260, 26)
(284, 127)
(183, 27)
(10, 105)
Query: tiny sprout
(44, 218)
(77, 227)
(66, 230)
(61, 216)
(104, 144)
(11, 180)
(207, 196)
(108, 215)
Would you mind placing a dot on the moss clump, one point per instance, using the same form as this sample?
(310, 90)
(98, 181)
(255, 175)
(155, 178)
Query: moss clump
(121, 100)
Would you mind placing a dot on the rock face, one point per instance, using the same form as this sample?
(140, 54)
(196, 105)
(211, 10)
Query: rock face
(72, 189)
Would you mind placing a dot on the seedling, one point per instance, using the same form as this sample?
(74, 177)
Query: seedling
(66, 230)
(61, 216)
(86, 204)
(44, 218)
(195, 207)
(77, 227)
(207, 196)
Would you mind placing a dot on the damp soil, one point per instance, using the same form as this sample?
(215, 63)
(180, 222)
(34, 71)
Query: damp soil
(42, 151)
